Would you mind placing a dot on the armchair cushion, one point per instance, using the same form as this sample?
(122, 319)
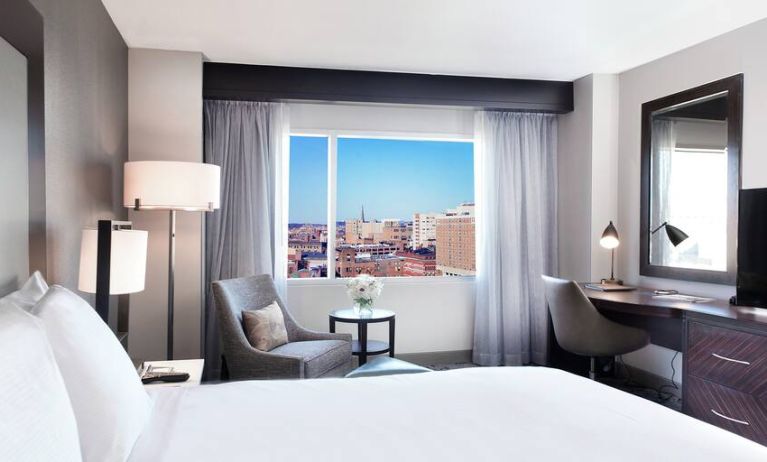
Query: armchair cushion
(320, 356)
(265, 328)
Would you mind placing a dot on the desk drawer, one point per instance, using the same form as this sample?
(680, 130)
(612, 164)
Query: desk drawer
(728, 357)
(726, 408)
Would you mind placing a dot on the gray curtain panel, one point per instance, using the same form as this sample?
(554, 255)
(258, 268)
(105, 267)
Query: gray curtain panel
(515, 165)
(663, 145)
(240, 236)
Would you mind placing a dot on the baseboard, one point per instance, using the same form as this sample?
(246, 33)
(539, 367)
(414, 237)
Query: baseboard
(648, 379)
(437, 357)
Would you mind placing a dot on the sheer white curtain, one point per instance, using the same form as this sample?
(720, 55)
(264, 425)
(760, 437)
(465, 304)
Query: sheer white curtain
(663, 145)
(516, 194)
(247, 235)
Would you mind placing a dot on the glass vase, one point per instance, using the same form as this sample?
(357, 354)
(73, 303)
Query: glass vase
(363, 308)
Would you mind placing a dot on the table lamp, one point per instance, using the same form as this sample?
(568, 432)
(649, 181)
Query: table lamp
(112, 262)
(171, 186)
(675, 235)
(610, 240)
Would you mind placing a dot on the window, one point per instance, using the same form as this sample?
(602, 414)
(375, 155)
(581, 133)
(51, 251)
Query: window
(308, 205)
(400, 207)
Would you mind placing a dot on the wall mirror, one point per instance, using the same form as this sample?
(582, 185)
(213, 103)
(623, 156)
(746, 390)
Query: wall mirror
(14, 221)
(691, 143)
(22, 144)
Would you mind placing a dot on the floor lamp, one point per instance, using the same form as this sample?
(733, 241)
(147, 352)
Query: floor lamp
(171, 186)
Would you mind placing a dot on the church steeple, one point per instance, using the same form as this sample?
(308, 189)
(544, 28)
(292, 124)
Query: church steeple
(363, 213)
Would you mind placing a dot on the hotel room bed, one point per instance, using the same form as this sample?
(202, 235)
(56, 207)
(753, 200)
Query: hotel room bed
(526, 413)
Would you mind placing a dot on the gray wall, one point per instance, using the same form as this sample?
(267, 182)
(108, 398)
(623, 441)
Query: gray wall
(574, 188)
(86, 126)
(165, 120)
(742, 50)
(587, 163)
(738, 51)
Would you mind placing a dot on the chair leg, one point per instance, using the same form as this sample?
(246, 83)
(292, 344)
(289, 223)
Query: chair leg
(593, 368)
(224, 374)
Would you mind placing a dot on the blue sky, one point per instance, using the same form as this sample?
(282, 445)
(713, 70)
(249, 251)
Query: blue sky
(392, 178)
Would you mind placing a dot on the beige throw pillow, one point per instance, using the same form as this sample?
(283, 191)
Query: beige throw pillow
(265, 328)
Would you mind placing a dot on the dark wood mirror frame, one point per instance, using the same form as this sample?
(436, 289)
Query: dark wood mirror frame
(21, 25)
(733, 86)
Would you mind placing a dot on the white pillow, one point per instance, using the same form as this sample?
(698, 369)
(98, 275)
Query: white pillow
(110, 403)
(30, 293)
(36, 418)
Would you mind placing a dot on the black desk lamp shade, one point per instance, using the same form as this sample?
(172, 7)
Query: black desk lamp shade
(675, 235)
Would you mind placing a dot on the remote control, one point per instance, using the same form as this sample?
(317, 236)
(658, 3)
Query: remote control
(151, 377)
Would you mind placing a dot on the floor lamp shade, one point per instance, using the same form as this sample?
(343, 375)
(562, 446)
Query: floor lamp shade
(127, 270)
(166, 185)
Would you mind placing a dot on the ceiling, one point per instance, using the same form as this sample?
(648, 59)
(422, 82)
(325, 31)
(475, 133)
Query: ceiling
(541, 39)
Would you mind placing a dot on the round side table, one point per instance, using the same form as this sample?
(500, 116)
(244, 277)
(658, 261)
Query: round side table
(363, 347)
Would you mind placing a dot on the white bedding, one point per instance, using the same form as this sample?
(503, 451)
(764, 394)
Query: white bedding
(510, 414)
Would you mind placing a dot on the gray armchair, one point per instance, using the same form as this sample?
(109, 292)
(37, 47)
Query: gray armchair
(308, 354)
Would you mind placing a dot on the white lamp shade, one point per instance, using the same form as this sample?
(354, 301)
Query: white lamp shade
(609, 242)
(165, 185)
(127, 268)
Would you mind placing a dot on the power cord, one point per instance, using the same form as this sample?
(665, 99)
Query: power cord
(673, 382)
(658, 391)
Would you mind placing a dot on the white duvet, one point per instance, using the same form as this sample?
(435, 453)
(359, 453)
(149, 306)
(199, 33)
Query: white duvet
(478, 414)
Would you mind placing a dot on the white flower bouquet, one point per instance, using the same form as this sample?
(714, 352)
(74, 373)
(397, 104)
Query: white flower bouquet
(363, 290)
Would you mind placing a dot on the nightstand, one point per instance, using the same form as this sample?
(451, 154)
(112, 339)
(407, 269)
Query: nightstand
(191, 366)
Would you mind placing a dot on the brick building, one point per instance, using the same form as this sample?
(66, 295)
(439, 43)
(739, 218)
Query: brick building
(456, 253)
(397, 233)
(375, 259)
(420, 262)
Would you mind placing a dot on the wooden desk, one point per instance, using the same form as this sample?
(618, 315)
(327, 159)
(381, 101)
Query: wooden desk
(642, 301)
(725, 353)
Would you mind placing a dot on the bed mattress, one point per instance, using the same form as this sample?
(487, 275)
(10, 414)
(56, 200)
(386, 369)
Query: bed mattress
(478, 414)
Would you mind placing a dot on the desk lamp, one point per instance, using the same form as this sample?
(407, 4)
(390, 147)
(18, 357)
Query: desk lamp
(610, 241)
(675, 235)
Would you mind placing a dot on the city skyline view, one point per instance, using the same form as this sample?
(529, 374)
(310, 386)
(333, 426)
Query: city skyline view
(391, 178)
(404, 208)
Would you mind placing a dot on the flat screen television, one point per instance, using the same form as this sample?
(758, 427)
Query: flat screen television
(752, 248)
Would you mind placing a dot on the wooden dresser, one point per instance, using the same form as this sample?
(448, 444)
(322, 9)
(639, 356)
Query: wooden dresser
(725, 374)
(724, 349)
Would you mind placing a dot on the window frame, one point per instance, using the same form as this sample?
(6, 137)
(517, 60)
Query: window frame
(332, 173)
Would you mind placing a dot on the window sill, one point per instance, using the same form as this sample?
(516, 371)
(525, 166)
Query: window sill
(388, 281)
